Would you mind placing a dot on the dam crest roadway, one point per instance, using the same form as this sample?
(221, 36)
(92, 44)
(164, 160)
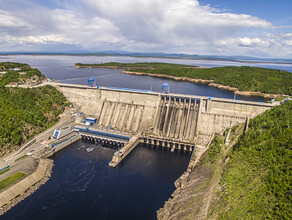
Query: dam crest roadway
(126, 117)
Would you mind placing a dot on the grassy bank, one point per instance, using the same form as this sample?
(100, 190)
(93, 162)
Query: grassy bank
(5, 171)
(244, 78)
(193, 199)
(256, 183)
(12, 179)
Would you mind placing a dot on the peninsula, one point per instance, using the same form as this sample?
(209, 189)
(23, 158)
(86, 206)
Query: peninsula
(243, 80)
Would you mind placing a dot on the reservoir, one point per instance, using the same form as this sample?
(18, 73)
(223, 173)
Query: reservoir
(82, 185)
(61, 68)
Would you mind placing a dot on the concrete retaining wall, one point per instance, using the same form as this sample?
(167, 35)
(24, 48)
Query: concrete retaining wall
(20, 187)
(233, 107)
(61, 146)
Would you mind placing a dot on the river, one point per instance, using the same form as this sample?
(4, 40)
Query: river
(83, 186)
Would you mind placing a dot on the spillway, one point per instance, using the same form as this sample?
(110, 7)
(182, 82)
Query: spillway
(177, 117)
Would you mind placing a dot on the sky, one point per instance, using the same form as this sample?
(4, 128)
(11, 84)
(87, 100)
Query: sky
(257, 28)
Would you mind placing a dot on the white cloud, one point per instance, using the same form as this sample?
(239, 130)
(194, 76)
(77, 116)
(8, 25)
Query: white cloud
(180, 26)
(170, 20)
(251, 42)
(45, 39)
(288, 42)
(36, 40)
(268, 40)
(9, 21)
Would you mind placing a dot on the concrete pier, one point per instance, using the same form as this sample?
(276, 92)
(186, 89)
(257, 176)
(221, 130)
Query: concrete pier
(122, 153)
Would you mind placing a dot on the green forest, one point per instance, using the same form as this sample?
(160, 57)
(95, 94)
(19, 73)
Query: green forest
(244, 78)
(10, 65)
(25, 112)
(20, 75)
(256, 183)
(137, 65)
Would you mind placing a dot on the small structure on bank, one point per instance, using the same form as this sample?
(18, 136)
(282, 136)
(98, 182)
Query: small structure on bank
(90, 121)
(165, 88)
(61, 132)
(91, 82)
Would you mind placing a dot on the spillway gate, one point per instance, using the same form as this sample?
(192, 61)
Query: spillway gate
(177, 117)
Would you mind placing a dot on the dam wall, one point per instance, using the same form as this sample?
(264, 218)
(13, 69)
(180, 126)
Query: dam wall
(177, 117)
(163, 117)
(216, 115)
(122, 110)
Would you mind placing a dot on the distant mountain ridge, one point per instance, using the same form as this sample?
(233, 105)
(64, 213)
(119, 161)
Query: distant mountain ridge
(159, 55)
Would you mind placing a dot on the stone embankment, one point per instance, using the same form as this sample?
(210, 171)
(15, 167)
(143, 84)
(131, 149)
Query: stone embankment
(90, 67)
(207, 82)
(200, 81)
(19, 191)
(244, 93)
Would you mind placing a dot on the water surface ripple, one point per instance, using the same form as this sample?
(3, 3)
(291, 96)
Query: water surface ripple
(83, 186)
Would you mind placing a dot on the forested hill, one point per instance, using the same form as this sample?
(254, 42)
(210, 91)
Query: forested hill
(257, 182)
(18, 74)
(25, 112)
(245, 78)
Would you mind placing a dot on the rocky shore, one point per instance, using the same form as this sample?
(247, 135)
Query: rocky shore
(207, 82)
(90, 67)
(196, 190)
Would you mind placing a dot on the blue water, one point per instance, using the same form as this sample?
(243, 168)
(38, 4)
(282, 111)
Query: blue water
(83, 186)
(61, 68)
(56, 60)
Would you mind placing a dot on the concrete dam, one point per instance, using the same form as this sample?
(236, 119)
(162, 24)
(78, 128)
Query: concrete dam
(175, 121)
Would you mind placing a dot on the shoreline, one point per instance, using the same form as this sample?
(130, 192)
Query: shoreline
(207, 82)
(101, 67)
(35, 181)
(197, 81)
